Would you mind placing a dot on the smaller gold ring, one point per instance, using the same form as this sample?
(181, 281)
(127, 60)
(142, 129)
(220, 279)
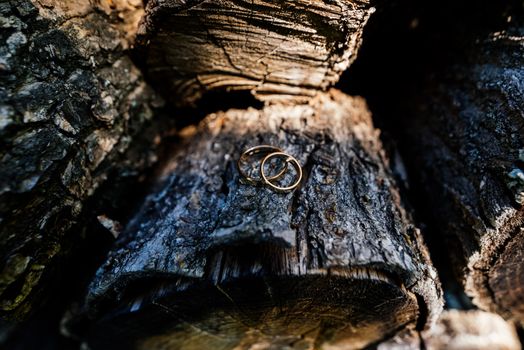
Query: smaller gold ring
(255, 150)
(289, 159)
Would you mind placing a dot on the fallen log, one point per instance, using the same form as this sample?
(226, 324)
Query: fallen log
(211, 261)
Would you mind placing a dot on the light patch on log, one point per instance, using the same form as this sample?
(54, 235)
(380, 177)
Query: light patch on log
(464, 330)
(281, 51)
(459, 330)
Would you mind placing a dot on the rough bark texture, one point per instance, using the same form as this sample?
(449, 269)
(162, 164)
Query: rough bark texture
(278, 50)
(211, 262)
(468, 147)
(460, 330)
(70, 104)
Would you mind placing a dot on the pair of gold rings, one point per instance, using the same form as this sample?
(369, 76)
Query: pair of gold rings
(270, 154)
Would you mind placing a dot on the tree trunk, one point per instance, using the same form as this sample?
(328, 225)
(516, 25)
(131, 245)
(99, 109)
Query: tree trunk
(467, 144)
(278, 50)
(212, 262)
(71, 102)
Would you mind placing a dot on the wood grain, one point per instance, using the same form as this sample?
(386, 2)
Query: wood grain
(277, 50)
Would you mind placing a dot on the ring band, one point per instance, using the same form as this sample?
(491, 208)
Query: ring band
(256, 150)
(289, 159)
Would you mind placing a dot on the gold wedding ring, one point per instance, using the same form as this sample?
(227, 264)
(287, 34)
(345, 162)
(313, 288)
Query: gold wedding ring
(266, 149)
(270, 152)
(289, 159)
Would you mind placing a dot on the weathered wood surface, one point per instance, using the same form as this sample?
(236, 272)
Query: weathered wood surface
(460, 330)
(70, 104)
(467, 144)
(211, 262)
(278, 50)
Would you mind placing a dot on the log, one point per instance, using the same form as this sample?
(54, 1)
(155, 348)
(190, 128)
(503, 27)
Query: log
(212, 262)
(460, 330)
(280, 51)
(71, 101)
(465, 139)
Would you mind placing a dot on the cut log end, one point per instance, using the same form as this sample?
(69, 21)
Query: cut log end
(280, 51)
(337, 312)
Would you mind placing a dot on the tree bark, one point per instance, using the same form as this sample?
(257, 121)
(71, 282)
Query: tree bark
(467, 144)
(278, 50)
(71, 101)
(212, 262)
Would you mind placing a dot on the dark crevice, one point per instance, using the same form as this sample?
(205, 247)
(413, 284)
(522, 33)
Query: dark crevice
(211, 102)
(520, 334)
(422, 341)
(423, 313)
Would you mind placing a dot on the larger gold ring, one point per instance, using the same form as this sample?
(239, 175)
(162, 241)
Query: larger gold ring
(289, 159)
(256, 150)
